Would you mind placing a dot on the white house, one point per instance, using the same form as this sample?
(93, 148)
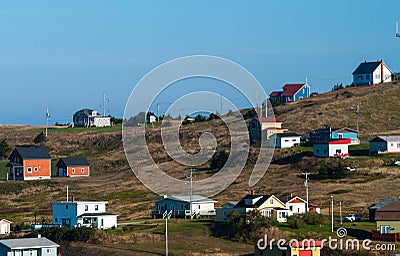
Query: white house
(384, 144)
(295, 205)
(83, 213)
(284, 140)
(368, 73)
(40, 246)
(180, 206)
(333, 148)
(5, 227)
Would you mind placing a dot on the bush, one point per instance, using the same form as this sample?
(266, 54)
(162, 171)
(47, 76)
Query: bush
(331, 171)
(79, 234)
(312, 218)
(295, 222)
(219, 160)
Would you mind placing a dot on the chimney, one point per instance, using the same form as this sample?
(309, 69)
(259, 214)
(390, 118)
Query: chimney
(252, 192)
(72, 199)
(39, 236)
(382, 71)
(165, 196)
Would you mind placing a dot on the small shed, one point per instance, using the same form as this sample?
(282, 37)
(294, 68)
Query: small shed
(5, 227)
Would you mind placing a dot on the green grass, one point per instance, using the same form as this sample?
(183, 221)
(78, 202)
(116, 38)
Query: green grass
(362, 146)
(90, 130)
(3, 169)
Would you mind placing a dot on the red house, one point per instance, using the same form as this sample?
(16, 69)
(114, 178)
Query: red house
(29, 163)
(73, 167)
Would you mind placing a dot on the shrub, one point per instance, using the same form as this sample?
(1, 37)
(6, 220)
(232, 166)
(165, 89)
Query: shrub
(295, 222)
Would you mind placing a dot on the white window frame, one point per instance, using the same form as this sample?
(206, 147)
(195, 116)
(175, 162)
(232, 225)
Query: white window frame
(73, 170)
(29, 170)
(83, 170)
(36, 169)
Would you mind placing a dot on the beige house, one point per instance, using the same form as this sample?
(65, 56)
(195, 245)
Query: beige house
(5, 227)
(262, 128)
(387, 222)
(269, 206)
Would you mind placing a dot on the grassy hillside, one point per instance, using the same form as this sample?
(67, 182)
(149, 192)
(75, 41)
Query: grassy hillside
(112, 179)
(379, 105)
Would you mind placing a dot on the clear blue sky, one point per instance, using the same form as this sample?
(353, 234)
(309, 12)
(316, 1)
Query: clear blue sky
(65, 54)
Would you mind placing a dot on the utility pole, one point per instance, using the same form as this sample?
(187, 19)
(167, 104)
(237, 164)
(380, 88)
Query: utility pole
(104, 105)
(332, 213)
(158, 112)
(166, 216)
(191, 191)
(47, 119)
(67, 192)
(340, 211)
(306, 185)
(221, 105)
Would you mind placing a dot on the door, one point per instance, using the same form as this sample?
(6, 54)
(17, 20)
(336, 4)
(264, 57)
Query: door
(305, 253)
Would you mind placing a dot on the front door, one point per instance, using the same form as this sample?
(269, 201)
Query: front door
(3, 229)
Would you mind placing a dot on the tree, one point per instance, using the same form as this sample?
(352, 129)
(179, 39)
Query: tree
(39, 138)
(4, 149)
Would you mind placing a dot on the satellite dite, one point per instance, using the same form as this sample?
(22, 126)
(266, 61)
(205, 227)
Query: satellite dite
(397, 29)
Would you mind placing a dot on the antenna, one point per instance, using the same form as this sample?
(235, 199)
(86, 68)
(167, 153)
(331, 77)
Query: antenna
(397, 29)
(47, 119)
(104, 105)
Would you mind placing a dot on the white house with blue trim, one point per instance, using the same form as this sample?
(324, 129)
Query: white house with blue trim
(368, 73)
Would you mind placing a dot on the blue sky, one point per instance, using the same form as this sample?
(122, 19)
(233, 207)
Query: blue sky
(65, 54)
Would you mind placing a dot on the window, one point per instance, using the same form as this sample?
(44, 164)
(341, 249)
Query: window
(102, 222)
(48, 250)
(324, 151)
(367, 77)
(360, 77)
(83, 170)
(294, 140)
(36, 169)
(398, 145)
(291, 208)
(73, 170)
(338, 151)
(66, 207)
(199, 206)
(29, 169)
(385, 229)
(96, 207)
(271, 201)
(340, 135)
(86, 208)
(286, 140)
(317, 150)
(56, 220)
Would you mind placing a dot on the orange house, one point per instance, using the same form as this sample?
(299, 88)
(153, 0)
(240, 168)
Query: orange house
(73, 167)
(29, 163)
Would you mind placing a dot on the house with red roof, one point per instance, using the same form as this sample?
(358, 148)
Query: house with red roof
(332, 148)
(291, 93)
(262, 128)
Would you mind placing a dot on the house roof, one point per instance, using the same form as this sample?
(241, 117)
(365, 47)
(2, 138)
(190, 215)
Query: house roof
(386, 138)
(291, 89)
(268, 120)
(382, 203)
(32, 152)
(390, 211)
(287, 134)
(334, 142)
(75, 161)
(5, 220)
(13, 164)
(195, 199)
(28, 243)
(81, 202)
(93, 214)
(274, 94)
(367, 67)
(289, 199)
(262, 199)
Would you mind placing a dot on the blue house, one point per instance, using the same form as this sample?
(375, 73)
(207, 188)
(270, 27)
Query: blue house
(291, 93)
(328, 134)
(40, 246)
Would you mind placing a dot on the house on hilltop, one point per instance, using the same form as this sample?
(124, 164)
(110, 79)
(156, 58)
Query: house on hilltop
(73, 167)
(368, 73)
(262, 128)
(29, 163)
(88, 117)
(291, 93)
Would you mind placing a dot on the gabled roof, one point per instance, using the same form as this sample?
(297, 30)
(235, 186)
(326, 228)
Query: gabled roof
(195, 199)
(291, 89)
(32, 152)
(74, 161)
(386, 139)
(6, 221)
(287, 134)
(390, 211)
(344, 129)
(333, 142)
(28, 243)
(262, 199)
(274, 94)
(289, 199)
(268, 120)
(367, 67)
(382, 203)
